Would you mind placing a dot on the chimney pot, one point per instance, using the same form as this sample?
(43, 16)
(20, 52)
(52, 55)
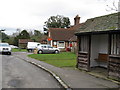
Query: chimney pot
(76, 20)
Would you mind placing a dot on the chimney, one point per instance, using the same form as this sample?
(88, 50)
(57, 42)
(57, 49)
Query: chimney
(76, 20)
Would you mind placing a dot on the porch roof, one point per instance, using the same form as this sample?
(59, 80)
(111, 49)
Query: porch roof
(98, 32)
(101, 25)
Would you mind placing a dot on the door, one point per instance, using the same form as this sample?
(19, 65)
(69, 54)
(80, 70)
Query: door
(51, 50)
(45, 49)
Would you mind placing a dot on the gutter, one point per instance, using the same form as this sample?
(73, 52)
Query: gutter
(98, 32)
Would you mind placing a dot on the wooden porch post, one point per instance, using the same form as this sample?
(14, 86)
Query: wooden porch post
(109, 53)
(78, 48)
(89, 52)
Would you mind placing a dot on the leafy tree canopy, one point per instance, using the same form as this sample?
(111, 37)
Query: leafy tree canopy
(37, 35)
(4, 36)
(58, 21)
(24, 35)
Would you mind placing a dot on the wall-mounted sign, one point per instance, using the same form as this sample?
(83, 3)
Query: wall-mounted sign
(49, 39)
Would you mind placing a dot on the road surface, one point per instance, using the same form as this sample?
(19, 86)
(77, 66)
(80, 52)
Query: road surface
(17, 73)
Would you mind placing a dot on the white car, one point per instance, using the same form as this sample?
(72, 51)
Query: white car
(43, 48)
(12, 46)
(5, 48)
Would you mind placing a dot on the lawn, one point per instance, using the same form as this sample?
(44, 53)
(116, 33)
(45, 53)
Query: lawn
(18, 50)
(63, 59)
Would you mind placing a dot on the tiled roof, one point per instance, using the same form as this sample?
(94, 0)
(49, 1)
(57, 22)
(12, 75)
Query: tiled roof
(24, 41)
(73, 39)
(103, 23)
(61, 34)
(74, 27)
(64, 34)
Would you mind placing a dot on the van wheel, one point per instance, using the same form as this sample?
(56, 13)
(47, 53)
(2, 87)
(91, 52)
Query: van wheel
(56, 51)
(29, 50)
(40, 52)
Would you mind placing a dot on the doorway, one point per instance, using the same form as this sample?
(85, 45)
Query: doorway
(99, 54)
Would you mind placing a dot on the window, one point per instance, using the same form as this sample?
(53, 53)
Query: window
(38, 44)
(50, 47)
(61, 44)
(43, 46)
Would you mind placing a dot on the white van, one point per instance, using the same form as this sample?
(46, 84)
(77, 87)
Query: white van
(32, 45)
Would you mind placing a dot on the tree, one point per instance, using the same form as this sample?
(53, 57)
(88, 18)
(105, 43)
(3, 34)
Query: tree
(4, 36)
(24, 35)
(37, 35)
(113, 7)
(16, 39)
(31, 33)
(58, 21)
(10, 40)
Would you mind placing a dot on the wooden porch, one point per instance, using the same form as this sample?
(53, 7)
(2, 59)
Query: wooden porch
(88, 58)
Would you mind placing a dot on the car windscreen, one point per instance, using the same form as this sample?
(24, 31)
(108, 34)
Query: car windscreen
(4, 45)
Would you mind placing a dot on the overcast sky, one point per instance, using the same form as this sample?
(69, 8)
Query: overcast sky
(31, 14)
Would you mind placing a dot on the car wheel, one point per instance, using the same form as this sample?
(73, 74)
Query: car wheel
(9, 53)
(56, 51)
(40, 52)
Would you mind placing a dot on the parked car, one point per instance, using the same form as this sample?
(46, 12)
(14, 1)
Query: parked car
(5, 48)
(12, 46)
(44, 48)
(31, 46)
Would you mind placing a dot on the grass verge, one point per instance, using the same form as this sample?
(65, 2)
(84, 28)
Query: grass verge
(64, 59)
(18, 50)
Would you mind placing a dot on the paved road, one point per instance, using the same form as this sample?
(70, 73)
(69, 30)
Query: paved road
(17, 73)
(73, 77)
